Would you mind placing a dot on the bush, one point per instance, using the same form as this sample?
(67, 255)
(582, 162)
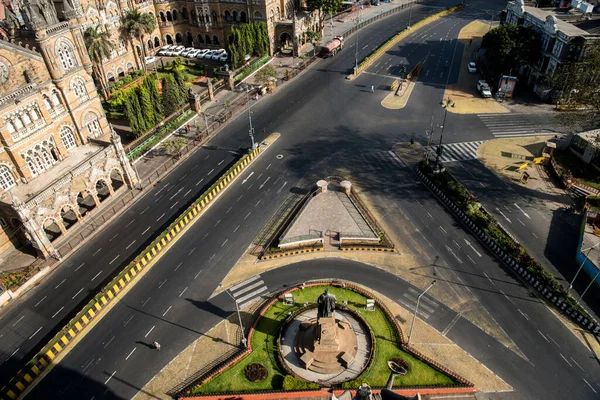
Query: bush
(127, 80)
(255, 372)
(292, 384)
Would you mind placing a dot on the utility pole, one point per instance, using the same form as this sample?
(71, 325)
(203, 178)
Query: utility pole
(356, 50)
(588, 286)
(237, 308)
(412, 325)
(580, 267)
(437, 168)
(409, 13)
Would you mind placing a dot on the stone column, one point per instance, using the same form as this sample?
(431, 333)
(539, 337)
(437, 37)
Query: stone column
(211, 94)
(347, 186)
(34, 231)
(194, 101)
(322, 185)
(131, 178)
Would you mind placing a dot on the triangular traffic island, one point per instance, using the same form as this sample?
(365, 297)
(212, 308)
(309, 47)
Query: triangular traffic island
(330, 335)
(329, 217)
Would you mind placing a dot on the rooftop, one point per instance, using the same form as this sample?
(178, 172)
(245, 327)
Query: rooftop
(565, 27)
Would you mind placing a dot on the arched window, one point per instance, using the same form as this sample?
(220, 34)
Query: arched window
(215, 40)
(11, 127)
(169, 17)
(48, 160)
(64, 51)
(67, 138)
(243, 16)
(227, 16)
(175, 15)
(6, 178)
(257, 15)
(35, 114)
(92, 125)
(47, 102)
(32, 166)
(156, 41)
(55, 98)
(200, 38)
(178, 38)
(78, 86)
(184, 13)
(190, 40)
(234, 16)
(19, 123)
(26, 118)
(162, 16)
(208, 39)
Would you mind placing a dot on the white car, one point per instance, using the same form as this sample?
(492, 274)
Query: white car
(218, 53)
(187, 51)
(223, 57)
(164, 49)
(193, 53)
(209, 54)
(178, 50)
(150, 60)
(202, 53)
(472, 67)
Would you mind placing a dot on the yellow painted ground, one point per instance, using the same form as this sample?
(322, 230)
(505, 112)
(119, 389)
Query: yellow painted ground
(464, 93)
(394, 102)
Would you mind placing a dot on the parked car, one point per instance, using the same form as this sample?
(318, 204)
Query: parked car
(164, 49)
(202, 53)
(178, 50)
(484, 89)
(223, 57)
(150, 60)
(208, 55)
(472, 67)
(218, 53)
(187, 51)
(193, 53)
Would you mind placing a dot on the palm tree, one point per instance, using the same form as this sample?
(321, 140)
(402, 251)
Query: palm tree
(99, 47)
(136, 25)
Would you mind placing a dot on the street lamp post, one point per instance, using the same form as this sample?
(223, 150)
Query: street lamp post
(409, 13)
(412, 325)
(251, 131)
(437, 168)
(588, 286)
(356, 50)
(237, 308)
(580, 267)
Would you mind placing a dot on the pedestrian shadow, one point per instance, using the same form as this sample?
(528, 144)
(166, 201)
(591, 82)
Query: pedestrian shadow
(148, 345)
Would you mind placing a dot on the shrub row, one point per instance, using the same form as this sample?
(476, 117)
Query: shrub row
(250, 69)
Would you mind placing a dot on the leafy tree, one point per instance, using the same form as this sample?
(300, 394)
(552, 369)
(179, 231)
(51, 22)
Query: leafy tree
(325, 7)
(171, 98)
(134, 114)
(136, 25)
(99, 47)
(178, 64)
(180, 80)
(266, 73)
(150, 84)
(146, 106)
(173, 146)
(509, 47)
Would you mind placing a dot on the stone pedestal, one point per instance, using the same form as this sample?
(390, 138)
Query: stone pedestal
(327, 339)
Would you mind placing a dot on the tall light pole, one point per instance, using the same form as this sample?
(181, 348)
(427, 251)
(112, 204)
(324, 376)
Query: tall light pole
(356, 50)
(412, 325)
(580, 267)
(237, 308)
(251, 131)
(437, 168)
(588, 286)
(409, 13)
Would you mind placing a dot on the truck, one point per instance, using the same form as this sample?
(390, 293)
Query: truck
(330, 49)
(484, 89)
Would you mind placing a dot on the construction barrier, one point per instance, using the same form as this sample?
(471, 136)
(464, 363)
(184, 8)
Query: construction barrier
(290, 253)
(368, 249)
(93, 309)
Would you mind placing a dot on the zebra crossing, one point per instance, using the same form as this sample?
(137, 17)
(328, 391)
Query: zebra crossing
(247, 291)
(380, 160)
(427, 306)
(515, 125)
(457, 151)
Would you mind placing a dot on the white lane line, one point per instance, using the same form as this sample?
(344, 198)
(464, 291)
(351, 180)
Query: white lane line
(282, 186)
(176, 193)
(443, 230)
(127, 358)
(218, 222)
(186, 193)
(222, 161)
(236, 228)
(553, 340)
(148, 299)
(180, 179)
(195, 166)
(111, 339)
(158, 219)
(14, 352)
(161, 189)
(211, 171)
(520, 222)
(182, 292)
(19, 320)
(567, 361)
(146, 335)
(162, 283)
(199, 182)
(167, 310)
(145, 209)
(110, 377)
(147, 229)
(248, 177)
(576, 363)
(248, 215)
(114, 259)
(95, 276)
(56, 313)
(268, 166)
(224, 242)
(197, 274)
(536, 236)
(38, 303)
(457, 245)
(258, 177)
(40, 328)
(189, 254)
(587, 383)
(430, 216)
(470, 259)
(207, 157)
(204, 237)
(179, 265)
(174, 204)
(229, 209)
(111, 239)
(211, 257)
(264, 183)
(239, 198)
(248, 188)
(523, 314)
(61, 282)
(126, 322)
(130, 244)
(257, 203)
(97, 251)
(130, 222)
(545, 338)
(80, 290)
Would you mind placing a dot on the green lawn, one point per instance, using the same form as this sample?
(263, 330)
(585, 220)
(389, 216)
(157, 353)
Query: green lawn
(265, 352)
(586, 173)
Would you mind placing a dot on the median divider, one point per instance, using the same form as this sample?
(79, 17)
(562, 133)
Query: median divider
(77, 326)
(370, 59)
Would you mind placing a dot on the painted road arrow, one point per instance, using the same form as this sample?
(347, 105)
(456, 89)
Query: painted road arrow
(524, 213)
(472, 248)
(246, 180)
(505, 217)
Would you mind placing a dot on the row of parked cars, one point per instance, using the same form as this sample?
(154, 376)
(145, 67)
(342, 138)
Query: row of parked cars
(190, 52)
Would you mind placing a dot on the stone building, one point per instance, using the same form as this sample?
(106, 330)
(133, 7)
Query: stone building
(58, 156)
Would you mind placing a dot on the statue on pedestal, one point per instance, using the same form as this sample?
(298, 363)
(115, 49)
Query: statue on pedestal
(326, 304)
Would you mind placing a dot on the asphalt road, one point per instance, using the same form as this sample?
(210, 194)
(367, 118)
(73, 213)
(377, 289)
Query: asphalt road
(320, 114)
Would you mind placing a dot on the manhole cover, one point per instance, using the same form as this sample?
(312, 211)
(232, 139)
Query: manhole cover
(279, 156)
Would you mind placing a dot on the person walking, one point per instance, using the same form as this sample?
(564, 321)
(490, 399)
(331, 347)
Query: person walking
(156, 345)
(372, 89)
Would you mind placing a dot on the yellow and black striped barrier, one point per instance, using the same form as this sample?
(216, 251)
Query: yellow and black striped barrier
(77, 325)
(290, 253)
(384, 249)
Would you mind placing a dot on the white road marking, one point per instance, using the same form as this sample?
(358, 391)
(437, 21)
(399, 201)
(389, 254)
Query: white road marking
(222, 161)
(126, 322)
(40, 328)
(182, 292)
(162, 283)
(127, 358)
(457, 245)
(248, 188)
(545, 338)
(197, 274)
(218, 222)
(523, 314)
(229, 209)
(536, 236)
(160, 197)
(165, 313)
(443, 230)
(236, 228)
(520, 209)
(38, 303)
(111, 339)
(147, 229)
(520, 222)
(61, 282)
(97, 251)
(257, 203)
(19, 320)
(587, 383)
(176, 193)
(576, 363)
(199, 182)
(146, 335)
(264, 183)
(553, 340)
(95, 276)
(567, 361)
(205, 235)
(145, 209)
(110, 377)
(14, 352)
(240, 197)
(246, 180)
(76, 269)
(161, 189)
(224, 242)
(80, 290)
(452, 252)
(130, 244)
(207, 157)
(247, 215)
(430, 216)
(158, 219)
(111, 239)
(189, 254)
(472, 248)
(470, 259)
(505, 217)
(114, 259)
(282, 186)
(211, 171)
(268, 166)
(211, 257)
(180, 179)
(174, 204)
(56, 313)
(179, 265)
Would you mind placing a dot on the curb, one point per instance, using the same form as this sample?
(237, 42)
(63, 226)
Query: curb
(49, 355)
(368, 249)
(290, 253)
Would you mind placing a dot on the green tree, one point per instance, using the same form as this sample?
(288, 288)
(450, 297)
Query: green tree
(134, 114)
(171, 98)
(150, 84)
(174, 146)
(99, 47)
(325, 7)
(508, 47)
(179, 77)
(137, 25)
(265, 74)
(146, 106)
